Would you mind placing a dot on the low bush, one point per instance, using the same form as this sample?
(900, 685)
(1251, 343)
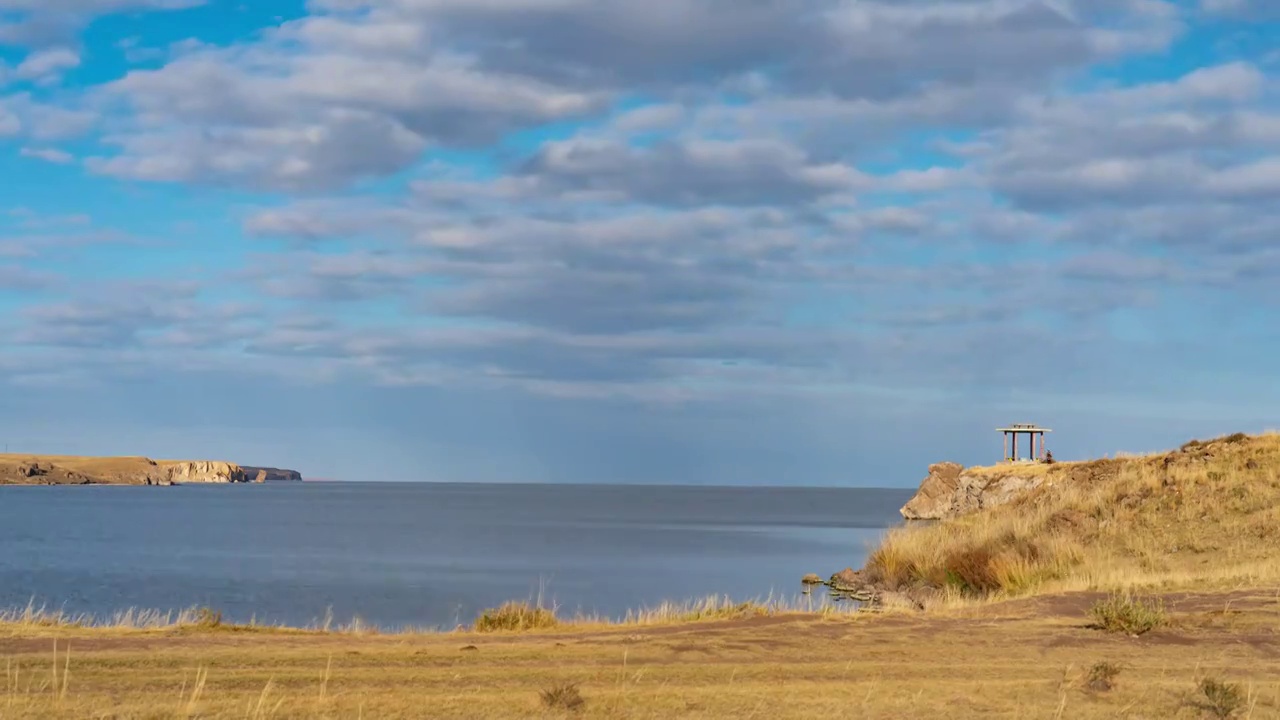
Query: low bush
(1124, 613)
(1219, 699)
(1102, 676)
(564, 696)
(208, 618)
(516, 616)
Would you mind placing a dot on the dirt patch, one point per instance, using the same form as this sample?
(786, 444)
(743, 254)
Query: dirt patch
(1077, 604)
(1265, 645)
(708, 628)
(683, 648)
(36, 646)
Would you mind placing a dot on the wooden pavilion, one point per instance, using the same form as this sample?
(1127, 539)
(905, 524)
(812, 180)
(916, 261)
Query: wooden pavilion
(1034, 433)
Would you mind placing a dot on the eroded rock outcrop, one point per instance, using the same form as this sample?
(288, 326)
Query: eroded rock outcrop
(202, 471)
(950, 490)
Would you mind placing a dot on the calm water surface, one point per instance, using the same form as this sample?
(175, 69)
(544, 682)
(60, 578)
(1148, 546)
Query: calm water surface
(421, 554)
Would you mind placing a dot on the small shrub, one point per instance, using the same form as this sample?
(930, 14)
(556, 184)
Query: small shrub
(724, 611)
(564, 696)
(1220, 699)
(1235, 438)
(1123, 613)
(970, 570)
(1102, 676)
(208, 618)
(516, 616)
(1192, 445)
(1008, 563)
(890, 565)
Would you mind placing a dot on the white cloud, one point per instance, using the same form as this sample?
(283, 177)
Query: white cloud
(728, 232)
(1260, 179)
(1242, 9)
(49, 22)
(42, 120)
(52, 155)
(270, 117)
(464, 74)
(10, 124)
(47, 66)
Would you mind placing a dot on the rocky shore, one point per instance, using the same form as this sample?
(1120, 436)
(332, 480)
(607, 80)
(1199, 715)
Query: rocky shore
(16, 469)
(949, 490)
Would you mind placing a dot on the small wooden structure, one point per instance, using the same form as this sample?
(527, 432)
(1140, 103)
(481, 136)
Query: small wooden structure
(1033, 433)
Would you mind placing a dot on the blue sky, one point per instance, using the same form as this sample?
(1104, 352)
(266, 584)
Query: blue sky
(778, 241)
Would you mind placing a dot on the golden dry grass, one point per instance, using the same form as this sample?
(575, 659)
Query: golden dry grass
(516, 617)
(1207, 516)
(1029, 658)
(89, 464)
(34, 620)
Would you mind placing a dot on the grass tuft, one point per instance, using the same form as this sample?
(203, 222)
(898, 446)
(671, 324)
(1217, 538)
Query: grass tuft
(1219, 699)
(1102, 676)
(516, 617)
(715, 607)
(207, 618)
(564, 696)
(1124, 613)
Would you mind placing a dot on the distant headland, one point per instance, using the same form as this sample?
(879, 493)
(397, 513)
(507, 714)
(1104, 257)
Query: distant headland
(25, 469)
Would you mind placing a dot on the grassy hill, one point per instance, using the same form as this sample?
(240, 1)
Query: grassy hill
(1205, 516)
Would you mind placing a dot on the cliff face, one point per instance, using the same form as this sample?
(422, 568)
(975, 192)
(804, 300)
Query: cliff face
(951, 490)
(201, 471)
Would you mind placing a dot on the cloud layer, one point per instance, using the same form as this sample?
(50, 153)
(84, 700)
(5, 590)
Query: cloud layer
(672, 205)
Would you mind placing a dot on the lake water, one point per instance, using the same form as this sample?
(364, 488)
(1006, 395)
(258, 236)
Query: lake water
(398, 554)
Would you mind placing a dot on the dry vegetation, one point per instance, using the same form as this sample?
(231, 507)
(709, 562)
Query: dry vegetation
(1206, 516)
(1035, 657)
(1124, 613)
(1135, 588)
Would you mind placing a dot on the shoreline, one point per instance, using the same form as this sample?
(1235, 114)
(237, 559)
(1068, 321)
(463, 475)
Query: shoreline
(710, 608)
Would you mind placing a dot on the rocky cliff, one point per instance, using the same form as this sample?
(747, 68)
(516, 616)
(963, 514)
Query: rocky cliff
(200, 471)
(74, 470)
(950, 490)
